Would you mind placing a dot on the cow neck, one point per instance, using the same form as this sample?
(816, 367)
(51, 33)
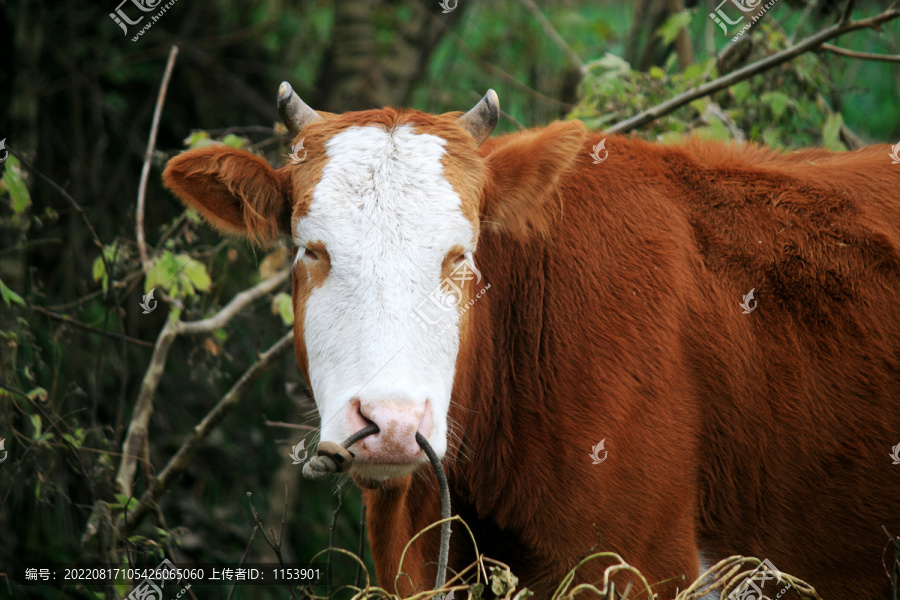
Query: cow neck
(498, 393)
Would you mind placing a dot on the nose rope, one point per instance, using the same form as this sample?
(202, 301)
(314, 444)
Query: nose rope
(444, 554)
(334, 458)
(337, 458)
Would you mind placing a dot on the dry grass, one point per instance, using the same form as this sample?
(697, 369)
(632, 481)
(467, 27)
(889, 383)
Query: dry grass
(724, 577)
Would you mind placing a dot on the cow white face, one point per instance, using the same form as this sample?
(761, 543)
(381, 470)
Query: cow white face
(384, 212)
(383, 226)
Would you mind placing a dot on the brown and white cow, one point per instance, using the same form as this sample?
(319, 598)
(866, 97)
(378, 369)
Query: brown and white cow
(613, 313)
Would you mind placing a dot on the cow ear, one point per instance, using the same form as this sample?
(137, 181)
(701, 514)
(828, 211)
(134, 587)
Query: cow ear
(524, 170)
(234, 190)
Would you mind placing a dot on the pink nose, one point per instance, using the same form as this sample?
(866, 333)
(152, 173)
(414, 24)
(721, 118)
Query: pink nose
(398, 422)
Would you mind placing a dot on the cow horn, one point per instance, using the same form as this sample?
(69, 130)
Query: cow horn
(481, 120)
(294, 112)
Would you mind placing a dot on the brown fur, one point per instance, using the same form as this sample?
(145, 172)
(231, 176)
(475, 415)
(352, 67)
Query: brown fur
(763, 434)
(318, 269)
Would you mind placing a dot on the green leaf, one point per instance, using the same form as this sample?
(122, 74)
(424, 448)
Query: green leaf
(741, 91)
(99, 268)
(36, 423)
(193, 216)
(76, 438)
(284, 306)
(111, 253)
(180, 275)
(831, 133)
(197, 139)
(671, 137)
(476, 591)
(777, 101)
(673, 25)
(164, 272)
(37, 393)
(502, 581)
(174, 314)
(671, 63)
(716, 130)
(770, 137)
(694, 70)
(719, 131)
(612, 65)
(15, 185)
(161, 271)
(196, 273)
(9, 296)
(235, 141)
(700, 105)
(597, 123)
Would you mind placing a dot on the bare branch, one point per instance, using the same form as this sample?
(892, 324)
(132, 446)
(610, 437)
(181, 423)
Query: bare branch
(283, 516)
(75, 206)
(136, 440)
(810, 43)
(75, 323)
(201, 431)
(237, 304)
(713, 110)
(243, 558)
(506, 76)
(334, 518)
(862, 55)
(512, 119)
(551, 33)
(242, 130)
(362, 544)
(274, 545)
(848, 11)
(151, 146)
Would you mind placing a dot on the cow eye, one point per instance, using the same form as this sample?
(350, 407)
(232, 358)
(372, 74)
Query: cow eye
(310, 254)
(459, 260)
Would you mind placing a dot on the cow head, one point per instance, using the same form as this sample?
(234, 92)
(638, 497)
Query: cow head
(385, 213)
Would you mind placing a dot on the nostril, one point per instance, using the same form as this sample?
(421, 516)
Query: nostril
(365, 412)
(426, 425)
(356, 417)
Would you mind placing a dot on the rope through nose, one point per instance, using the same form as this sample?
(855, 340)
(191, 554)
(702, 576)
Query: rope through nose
(337, 458)
(444, 554)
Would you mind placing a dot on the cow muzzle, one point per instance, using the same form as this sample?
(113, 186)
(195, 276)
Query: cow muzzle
(337, 458)
(398, 422)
